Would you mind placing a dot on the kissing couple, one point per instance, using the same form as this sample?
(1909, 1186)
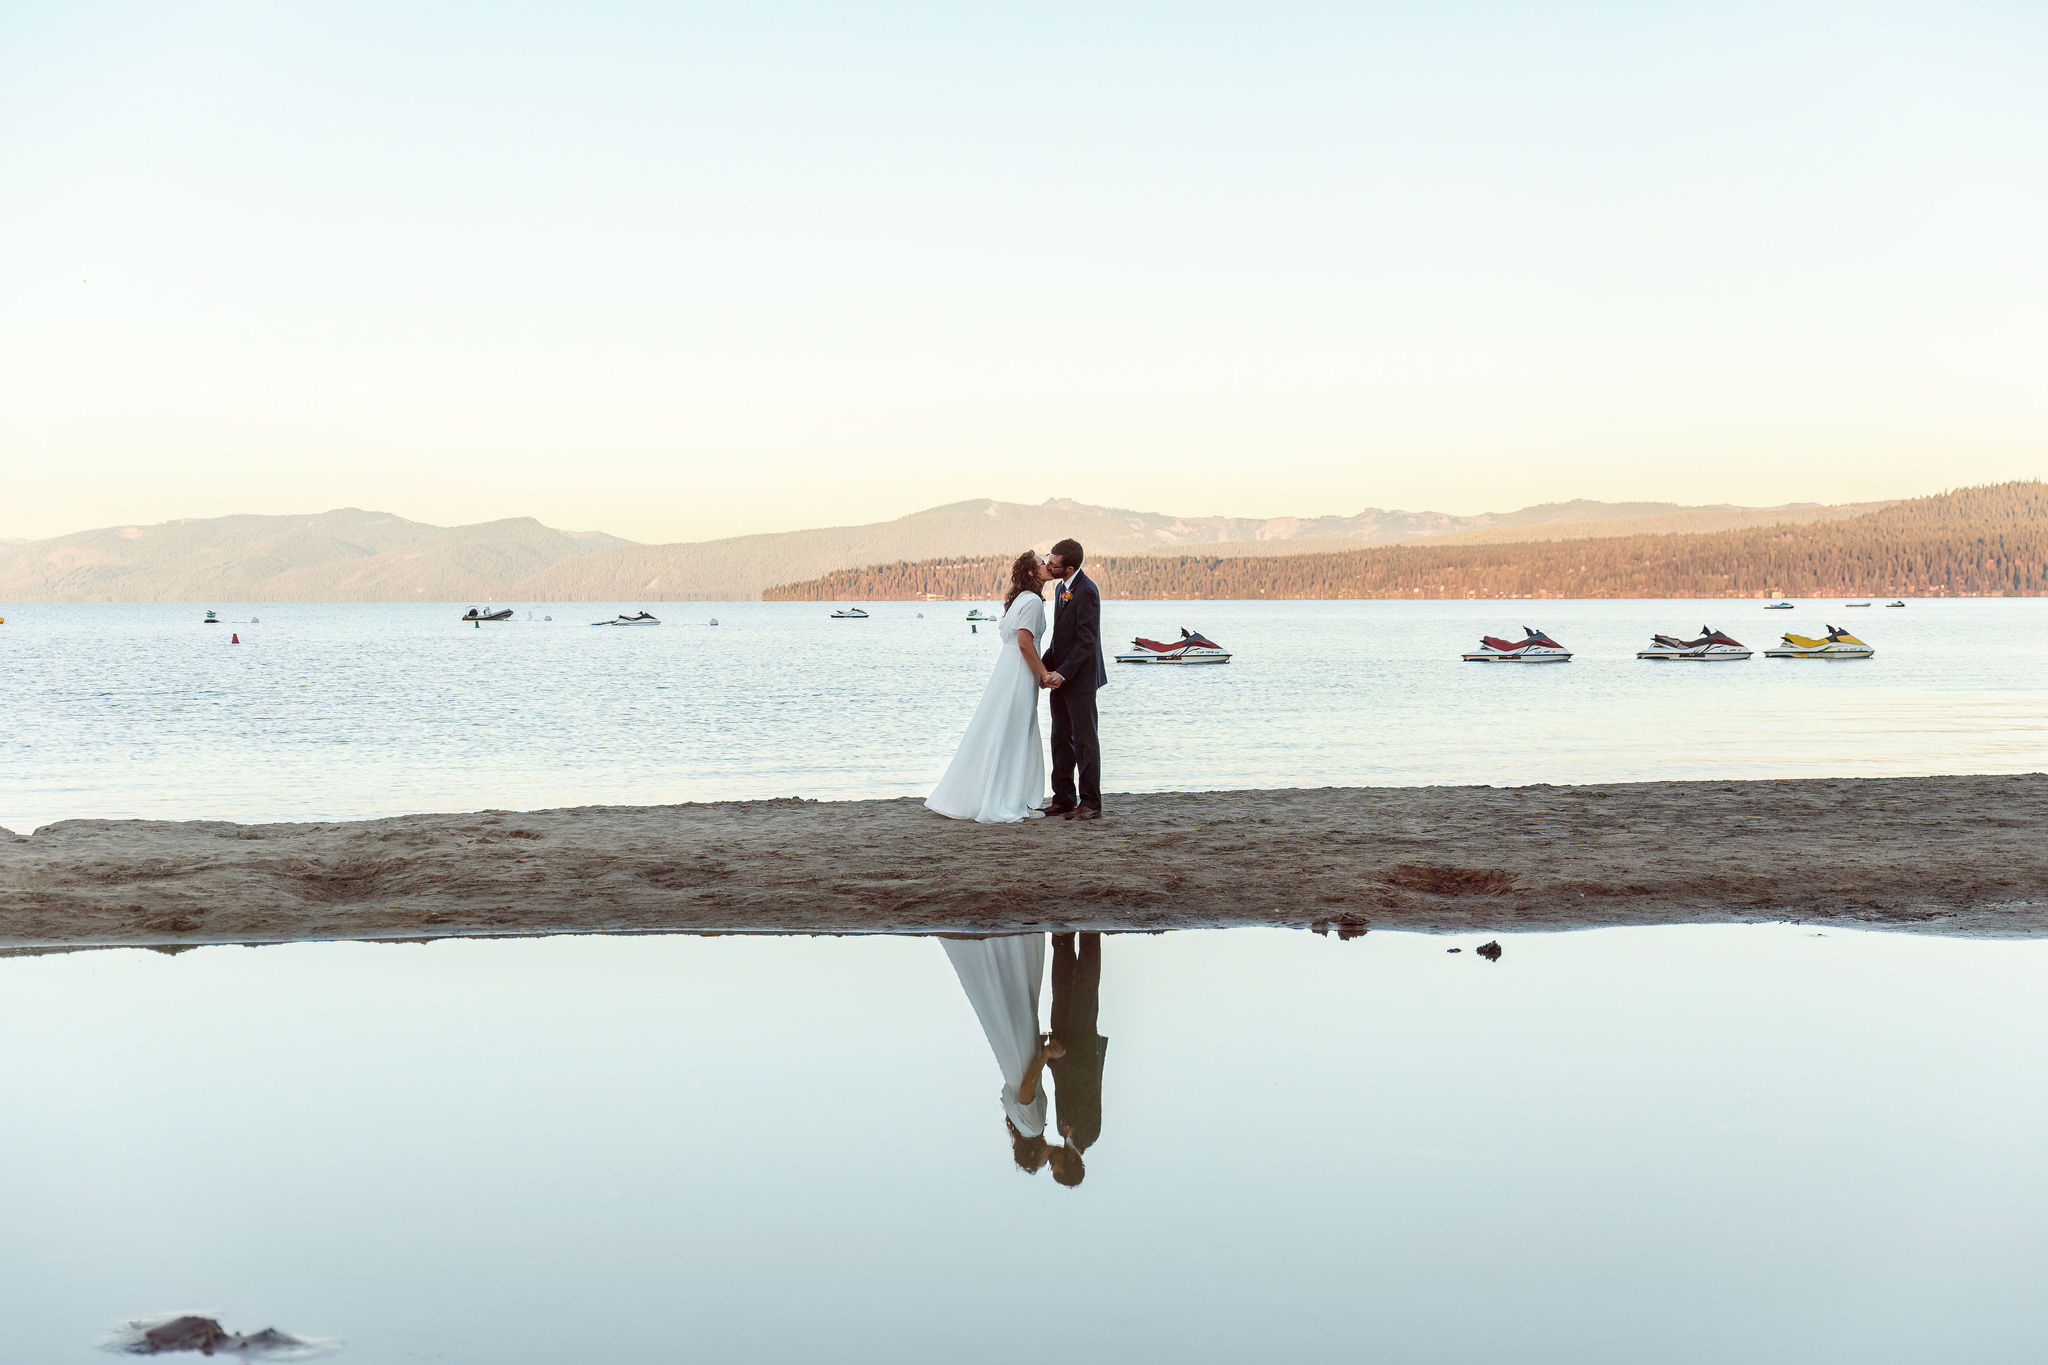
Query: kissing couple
(997, 775)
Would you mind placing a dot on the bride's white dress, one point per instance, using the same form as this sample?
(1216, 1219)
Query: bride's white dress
(1001, 976)
(998, 773)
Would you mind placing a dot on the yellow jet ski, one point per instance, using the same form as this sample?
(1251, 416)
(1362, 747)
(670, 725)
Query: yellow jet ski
(1836, 644)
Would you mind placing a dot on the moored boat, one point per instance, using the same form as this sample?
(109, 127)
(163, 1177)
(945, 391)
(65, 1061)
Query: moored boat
(1895, 604)
(1836, 644)
(1534, 648)
(977, 614)
(211, 619)
(1711, 647)
(1189, 649)
(850, 614)
(502, 614)
(641, 618)
(1779, 606)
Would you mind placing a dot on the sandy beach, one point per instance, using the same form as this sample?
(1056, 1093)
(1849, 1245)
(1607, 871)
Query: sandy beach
(1961, 855)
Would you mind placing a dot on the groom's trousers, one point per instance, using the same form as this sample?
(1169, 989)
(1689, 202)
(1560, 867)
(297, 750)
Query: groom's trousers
(1074, 746)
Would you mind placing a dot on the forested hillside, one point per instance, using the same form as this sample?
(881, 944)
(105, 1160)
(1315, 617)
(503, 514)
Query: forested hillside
(1975, 542)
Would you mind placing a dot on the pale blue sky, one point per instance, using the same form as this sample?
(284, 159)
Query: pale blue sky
(678, 271)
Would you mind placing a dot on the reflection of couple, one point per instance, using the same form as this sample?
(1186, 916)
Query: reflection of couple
(1001, 976)
(998, 773)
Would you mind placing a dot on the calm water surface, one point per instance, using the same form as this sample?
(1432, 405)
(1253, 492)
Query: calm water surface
(1680, 1145)
(340, 711)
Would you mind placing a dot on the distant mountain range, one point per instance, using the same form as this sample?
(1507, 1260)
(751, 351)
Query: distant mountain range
(344, 556)
(352, 555)
(1975, 542)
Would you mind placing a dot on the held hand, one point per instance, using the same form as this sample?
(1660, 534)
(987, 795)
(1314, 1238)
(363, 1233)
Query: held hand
(1053, 680)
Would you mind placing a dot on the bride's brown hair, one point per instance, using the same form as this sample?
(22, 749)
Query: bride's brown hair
(1023, 577)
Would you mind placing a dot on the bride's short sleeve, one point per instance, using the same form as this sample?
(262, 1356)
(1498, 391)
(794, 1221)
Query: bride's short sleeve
(1032, 617)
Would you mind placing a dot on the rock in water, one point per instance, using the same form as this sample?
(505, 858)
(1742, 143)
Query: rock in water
(193, 1332)
(1490, 951)
(188, 1333)
(269, 1339)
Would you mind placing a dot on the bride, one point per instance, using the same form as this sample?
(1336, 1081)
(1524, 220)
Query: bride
(998, 773)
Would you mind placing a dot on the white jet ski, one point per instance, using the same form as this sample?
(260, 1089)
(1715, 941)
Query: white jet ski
(637, 619)
(1534, 648)
(1711, 647)
(1836, 644)
(1189, 649)
(850, 614)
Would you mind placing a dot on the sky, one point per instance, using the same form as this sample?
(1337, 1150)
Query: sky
(677, 271)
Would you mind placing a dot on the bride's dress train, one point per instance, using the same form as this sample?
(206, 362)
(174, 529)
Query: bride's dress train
(998, 773)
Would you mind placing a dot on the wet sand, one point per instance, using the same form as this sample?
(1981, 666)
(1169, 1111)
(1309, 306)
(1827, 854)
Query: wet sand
(1965, 855)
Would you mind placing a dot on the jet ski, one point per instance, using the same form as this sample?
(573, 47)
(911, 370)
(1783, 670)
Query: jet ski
(1836, 644)
(637, 619)
(1711, 647)
(1779, 606)
(211, 619)
(503, 614)
(1534, 648)
(850, 614)
(1895, 604)
(1189, 649)
(979, 615)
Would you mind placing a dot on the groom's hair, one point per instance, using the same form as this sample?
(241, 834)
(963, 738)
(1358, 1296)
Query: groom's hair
(1069, 552)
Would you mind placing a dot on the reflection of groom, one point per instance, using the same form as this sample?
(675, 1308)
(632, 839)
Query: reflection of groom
(1075, 661)
(1077, 1076)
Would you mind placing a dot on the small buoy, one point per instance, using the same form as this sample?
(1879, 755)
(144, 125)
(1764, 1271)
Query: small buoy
(234, 639)
(547, 618)
(714, 620)
(255, 620)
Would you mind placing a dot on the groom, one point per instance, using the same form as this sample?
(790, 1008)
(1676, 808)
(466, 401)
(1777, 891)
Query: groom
(1075, 661)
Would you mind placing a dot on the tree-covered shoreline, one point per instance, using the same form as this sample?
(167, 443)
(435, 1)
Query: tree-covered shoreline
(1990, 541)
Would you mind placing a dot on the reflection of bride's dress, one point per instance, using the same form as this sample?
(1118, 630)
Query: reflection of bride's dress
(1000, 976)
(998, 773)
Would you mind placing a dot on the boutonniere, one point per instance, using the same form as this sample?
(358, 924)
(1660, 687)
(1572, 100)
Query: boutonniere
(1066, 594)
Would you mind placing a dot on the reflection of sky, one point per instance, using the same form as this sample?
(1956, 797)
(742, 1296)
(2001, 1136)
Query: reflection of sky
(1691, 1144)
(343, 711)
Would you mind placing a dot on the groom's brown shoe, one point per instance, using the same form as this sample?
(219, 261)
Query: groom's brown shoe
(1086, 813)
(1057, 808)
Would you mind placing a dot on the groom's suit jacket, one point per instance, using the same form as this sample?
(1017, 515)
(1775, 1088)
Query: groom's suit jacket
(1076, 1006)
(1076, 653)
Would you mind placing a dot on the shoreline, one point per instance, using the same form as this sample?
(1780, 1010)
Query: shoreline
(1951, 855)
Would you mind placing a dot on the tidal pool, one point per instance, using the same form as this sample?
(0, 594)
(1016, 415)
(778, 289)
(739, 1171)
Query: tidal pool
(1683, 1144)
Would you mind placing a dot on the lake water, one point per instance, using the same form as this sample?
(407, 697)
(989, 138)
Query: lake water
(341, 711)
(1697, 1144)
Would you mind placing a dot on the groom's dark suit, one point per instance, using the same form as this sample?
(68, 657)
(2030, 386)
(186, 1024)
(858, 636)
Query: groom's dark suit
(1076, 1002)
(1076, 655)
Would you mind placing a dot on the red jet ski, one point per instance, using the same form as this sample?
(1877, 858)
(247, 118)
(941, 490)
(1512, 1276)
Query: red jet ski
(1189, 649)
(1534, 648)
